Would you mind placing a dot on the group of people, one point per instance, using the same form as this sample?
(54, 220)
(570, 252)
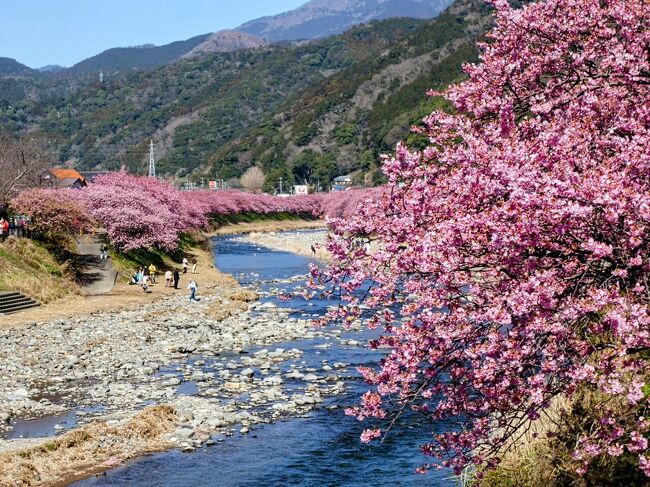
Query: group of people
(145, 276)
(13, 226)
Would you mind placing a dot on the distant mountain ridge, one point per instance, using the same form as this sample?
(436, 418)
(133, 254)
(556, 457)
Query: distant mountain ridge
(226, 41)
(303, 111)
(315, 19)
(139, 57)
(11, 68)
(323, 18)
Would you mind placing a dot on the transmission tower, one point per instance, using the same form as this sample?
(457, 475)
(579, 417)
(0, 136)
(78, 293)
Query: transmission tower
(152, 162)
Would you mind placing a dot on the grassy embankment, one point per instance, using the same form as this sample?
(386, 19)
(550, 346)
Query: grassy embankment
(31, 268)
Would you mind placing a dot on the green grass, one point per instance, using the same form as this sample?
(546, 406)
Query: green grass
(250, 217)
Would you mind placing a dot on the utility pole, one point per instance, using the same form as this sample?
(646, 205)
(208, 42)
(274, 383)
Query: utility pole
(152, 161)
(280, 185)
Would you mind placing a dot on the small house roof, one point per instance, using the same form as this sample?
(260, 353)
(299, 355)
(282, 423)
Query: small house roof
(64, 173)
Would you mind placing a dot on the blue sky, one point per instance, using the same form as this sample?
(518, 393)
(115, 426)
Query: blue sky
(40, 32)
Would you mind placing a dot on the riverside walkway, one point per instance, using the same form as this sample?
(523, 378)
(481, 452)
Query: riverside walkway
(96, 276)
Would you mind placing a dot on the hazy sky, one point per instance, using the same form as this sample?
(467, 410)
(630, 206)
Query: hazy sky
(41, 32)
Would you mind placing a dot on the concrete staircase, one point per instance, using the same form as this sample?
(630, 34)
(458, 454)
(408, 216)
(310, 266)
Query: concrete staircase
(13, 301)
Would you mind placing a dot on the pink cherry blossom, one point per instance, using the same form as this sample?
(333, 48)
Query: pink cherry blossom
(514, 249)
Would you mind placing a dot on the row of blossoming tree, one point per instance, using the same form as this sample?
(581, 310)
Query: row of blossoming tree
(141, 212)
(509, 260)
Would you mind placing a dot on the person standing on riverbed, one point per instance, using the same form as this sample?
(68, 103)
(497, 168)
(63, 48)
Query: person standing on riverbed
(193, 287)
(185, 265)
(177, 277)
(194, 262)
(168, 278)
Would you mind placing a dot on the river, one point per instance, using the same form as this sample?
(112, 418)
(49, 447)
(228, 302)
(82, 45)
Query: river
(322, 448)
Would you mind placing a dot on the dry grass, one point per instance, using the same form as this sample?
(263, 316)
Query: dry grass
(236, 302)
(543, 456)
(84, 450)
(530, 461)
(29, 268)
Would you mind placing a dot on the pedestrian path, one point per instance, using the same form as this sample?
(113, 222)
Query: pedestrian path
(96, 276)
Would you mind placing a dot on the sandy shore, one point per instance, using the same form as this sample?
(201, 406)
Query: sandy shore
(106, 366)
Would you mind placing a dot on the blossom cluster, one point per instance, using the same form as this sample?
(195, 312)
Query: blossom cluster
(140, 212)
(53, 214)
(510, 259)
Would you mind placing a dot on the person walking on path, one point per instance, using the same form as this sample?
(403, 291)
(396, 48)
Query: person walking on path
(145, 283)
(194, 262)
(104, 252)
(177, 277)
(193, 287)
(152, 273)
(168, 278)
(185, 265)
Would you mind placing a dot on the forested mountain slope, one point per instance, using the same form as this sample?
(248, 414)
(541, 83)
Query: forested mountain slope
(304, 112)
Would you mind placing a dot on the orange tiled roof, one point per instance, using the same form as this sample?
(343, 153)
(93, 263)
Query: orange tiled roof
(62, 173)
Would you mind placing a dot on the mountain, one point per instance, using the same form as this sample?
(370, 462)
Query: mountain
(226, 41)
(50, 68)
(11, 67)
(322, 18)
(130, 58)
(303, 111)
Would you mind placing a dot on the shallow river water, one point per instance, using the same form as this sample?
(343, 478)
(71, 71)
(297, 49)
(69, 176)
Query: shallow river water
(322, 449)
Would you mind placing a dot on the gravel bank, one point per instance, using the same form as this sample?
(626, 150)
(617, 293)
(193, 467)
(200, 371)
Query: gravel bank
(298, 243)
(213, 362)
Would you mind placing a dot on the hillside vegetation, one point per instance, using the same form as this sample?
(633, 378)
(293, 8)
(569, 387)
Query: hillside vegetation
(304, 112)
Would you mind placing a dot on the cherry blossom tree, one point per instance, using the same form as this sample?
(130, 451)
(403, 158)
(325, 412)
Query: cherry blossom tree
(54, 214)
(509, 261)
(140, 212)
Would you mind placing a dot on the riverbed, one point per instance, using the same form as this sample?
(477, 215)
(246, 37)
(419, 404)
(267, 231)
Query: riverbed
(319, 447)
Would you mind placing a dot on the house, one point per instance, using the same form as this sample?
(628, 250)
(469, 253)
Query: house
(64, 178)
(90, 176)
(342, 183)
